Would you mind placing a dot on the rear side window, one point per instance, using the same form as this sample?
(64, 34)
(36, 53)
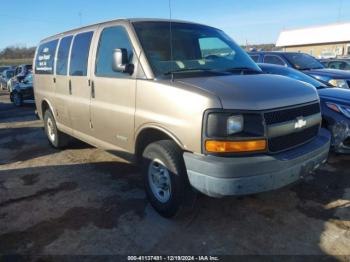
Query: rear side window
(62, 55)
(111, 38)
(44, 61)
(273, 59)
(80, 54)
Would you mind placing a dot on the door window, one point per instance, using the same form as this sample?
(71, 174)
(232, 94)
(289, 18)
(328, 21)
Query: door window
(80, 54)
(273, 59)
(111, 38)
(338, 65)
(44, 61)
(255, 58)
(62, 55)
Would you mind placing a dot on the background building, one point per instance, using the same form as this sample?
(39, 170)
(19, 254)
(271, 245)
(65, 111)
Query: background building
(320, 41)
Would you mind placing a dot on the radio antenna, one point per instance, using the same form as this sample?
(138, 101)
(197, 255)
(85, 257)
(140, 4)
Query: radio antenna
(171, 41)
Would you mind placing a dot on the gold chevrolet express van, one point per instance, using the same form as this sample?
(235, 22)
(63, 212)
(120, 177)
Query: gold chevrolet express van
(185, 102)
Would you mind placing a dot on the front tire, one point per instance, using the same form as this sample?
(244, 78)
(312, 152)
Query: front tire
(56, 138)
(17, 99)
(165, 177)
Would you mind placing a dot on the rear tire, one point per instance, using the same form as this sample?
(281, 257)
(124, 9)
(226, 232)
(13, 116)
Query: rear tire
(56, 138)
(165, 178)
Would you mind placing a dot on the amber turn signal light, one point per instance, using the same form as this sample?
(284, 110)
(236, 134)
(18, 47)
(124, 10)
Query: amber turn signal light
(235, 146)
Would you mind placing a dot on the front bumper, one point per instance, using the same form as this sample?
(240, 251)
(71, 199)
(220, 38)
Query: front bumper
(222, 176)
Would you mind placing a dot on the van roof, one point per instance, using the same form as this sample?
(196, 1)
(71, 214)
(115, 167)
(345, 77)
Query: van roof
(130, 20)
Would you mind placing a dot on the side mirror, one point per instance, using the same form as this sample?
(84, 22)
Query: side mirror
(120, 61)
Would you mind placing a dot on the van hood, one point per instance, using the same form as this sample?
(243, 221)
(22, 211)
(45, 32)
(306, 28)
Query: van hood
(255, 92)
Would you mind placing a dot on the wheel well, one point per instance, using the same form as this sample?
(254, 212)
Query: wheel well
(44, 107)
(146, 137)
(325, 123)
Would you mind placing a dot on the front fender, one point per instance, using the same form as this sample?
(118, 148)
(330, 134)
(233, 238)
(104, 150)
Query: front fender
(161, 129)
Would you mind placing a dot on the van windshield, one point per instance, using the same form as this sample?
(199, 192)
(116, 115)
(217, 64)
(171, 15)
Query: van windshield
(194, 48)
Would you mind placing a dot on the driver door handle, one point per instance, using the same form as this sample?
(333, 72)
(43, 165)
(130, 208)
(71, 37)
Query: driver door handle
(70, 87)
(92, 89)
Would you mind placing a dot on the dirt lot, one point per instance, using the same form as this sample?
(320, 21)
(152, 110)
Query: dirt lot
(85, 201)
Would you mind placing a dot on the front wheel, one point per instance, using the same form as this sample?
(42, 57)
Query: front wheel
(165, 178)
(56, 138)
(17, 99)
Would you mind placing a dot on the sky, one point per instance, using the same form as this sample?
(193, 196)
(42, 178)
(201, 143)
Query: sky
(25, 23)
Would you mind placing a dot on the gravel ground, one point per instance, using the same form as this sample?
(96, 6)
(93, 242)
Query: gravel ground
(84, 201)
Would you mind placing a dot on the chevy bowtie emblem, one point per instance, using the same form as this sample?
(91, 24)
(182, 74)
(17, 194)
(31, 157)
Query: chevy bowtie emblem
(300, 123)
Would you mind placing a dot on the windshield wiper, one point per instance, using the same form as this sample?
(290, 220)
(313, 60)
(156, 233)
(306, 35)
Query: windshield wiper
(185, 70)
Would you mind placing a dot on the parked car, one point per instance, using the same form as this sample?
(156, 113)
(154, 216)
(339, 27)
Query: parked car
(341, 64)
(198, 113)
(305, 63)
(335, 105)
(23, 91)
(5, 77)
(3, 68)
(21, 72)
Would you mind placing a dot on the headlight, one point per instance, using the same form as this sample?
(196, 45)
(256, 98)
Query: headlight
(227, 132)
(224, 125)
(235, 124)
(339, 83)
(345, 110)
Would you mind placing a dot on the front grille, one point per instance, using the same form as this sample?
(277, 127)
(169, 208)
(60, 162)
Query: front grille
(286, 115)
(281, 143)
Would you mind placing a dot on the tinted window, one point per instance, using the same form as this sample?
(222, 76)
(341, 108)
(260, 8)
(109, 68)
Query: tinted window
(255, 58)
(80, 54)
(44, 62)
(339, 65)
(62, 56)
(333, 65)
(302, 61)
(194, 48)
(111, 38)
(272, 59)
(9, 74)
